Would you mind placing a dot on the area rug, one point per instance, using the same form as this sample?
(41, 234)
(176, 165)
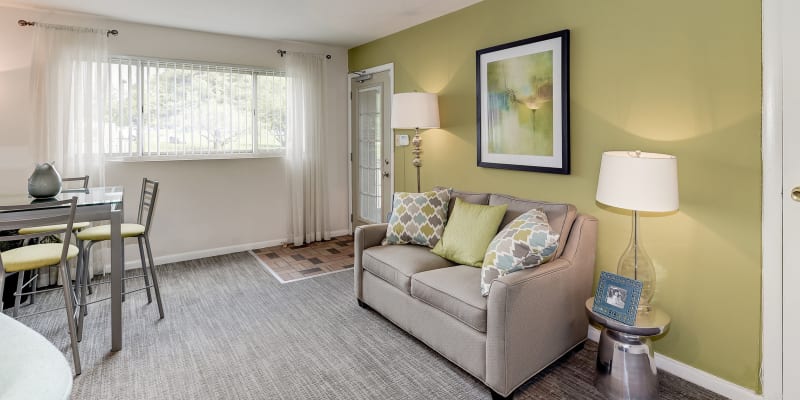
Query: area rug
(289, 263)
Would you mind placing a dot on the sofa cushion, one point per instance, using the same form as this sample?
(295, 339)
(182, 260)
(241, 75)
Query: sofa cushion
(418, 218)
(526, 242)
(468, 233)
(397, 263)
(559, 215)
(469, 197)
(454, 291)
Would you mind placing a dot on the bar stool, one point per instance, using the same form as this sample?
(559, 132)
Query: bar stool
(37, 256)
(141, 231)
(84, 185)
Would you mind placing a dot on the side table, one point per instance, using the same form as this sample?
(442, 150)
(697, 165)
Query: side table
(626, 367)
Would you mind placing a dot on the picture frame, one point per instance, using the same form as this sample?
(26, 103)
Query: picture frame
(617, 297)
(522, 90)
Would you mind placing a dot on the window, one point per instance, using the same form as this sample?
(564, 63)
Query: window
(161, 108)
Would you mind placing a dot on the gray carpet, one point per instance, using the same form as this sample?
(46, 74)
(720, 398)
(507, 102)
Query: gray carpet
(233, 332)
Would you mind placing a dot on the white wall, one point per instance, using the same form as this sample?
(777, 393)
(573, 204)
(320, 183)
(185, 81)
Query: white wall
(206, 206)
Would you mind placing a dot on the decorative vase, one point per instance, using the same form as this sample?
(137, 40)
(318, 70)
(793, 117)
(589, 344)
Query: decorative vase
(44, 182)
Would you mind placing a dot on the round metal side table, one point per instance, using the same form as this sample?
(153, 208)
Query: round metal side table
(626, 368)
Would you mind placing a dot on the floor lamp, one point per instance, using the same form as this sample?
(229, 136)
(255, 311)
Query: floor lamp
(415, 111)
(637, 181)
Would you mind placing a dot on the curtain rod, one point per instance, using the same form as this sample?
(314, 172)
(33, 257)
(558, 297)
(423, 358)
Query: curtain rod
(283, 53)
(22, 22)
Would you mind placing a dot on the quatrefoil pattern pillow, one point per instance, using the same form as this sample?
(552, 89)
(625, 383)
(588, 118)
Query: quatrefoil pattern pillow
(418, 218)
(526, 242)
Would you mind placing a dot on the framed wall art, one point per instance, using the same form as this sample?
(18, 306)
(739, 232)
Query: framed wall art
(617, 297)
(523, 104)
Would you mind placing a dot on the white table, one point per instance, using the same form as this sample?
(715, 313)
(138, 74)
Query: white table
(94, 204)
(30, 366)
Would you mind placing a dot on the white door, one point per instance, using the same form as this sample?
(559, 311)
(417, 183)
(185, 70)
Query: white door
(371, 164)
(791, 199)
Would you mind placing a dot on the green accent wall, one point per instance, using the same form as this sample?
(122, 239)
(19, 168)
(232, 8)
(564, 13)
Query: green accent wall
(681, 77)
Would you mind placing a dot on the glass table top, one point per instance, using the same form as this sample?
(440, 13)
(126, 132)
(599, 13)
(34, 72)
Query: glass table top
(86, 197)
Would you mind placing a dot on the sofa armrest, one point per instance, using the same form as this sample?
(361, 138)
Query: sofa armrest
(364, 237)
(534, 316)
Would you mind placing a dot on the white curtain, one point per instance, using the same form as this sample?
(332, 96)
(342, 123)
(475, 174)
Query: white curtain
(305, 149)
(69, 89)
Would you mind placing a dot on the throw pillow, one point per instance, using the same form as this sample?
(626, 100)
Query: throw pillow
(525, 242)
(417, 218)
(468, 232)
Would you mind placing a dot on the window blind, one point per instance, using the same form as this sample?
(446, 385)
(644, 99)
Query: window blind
(176, 108)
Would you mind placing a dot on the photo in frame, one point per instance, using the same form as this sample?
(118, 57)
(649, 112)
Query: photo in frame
(523, 104)
(617, 297)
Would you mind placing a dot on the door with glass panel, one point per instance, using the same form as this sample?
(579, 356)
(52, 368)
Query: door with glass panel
(371, 148)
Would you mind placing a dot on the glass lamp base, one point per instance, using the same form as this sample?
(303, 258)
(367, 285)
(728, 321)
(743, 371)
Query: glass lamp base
(636, 264)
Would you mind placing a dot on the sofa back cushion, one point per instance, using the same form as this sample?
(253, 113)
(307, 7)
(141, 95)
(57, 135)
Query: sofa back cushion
(559, 215)
(469, 197)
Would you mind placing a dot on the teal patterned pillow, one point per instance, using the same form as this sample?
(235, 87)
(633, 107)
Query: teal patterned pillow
(418, 218)
(525, 242)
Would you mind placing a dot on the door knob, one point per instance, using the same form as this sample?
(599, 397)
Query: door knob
(386, 175)
(796, 193)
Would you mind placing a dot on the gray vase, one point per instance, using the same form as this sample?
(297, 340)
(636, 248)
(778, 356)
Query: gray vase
(44, 182)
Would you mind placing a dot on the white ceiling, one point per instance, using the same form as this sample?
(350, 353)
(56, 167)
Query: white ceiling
(344, 23)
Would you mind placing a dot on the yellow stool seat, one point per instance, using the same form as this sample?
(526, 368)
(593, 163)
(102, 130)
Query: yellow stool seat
(49, 228)
(103, 232)
(35, 256)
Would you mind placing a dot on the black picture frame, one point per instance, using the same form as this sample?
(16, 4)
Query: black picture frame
(559, 161)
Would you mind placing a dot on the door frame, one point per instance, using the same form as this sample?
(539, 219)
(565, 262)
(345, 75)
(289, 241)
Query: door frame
(373, 70)
(772, 201)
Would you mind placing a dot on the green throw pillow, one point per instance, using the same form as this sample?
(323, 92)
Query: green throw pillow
(417, 218)
(525, 242)
(469, 231)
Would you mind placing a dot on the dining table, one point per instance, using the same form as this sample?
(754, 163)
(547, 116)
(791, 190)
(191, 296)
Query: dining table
(93, 204)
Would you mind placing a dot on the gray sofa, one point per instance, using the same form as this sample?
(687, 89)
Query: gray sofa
(529, 319)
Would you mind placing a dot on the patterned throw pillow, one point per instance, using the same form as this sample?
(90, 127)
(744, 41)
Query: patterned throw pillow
(525, 242)
(418, 218)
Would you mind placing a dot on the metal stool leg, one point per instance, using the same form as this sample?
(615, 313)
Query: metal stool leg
(87, 249)
(34, 285)
(69, 305)
(80, 286)
(2, 286)
(155, 278)
(86, 263)
(18, 294)
(144, 268)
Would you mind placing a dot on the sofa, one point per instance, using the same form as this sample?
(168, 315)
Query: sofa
(529, 319)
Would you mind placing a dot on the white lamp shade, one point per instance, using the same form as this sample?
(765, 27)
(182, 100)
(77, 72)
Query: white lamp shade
(638, 181)
(415, 110)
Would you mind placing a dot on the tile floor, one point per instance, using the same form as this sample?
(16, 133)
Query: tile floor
(292, 263)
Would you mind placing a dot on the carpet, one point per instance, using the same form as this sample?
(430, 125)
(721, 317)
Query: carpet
(232, 331)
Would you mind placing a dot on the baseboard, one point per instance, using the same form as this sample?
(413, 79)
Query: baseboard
(193, 255)
(694, 375)
(341, 232)
(218, 251)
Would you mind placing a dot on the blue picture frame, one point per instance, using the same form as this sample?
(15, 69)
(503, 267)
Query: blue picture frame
(617, 297)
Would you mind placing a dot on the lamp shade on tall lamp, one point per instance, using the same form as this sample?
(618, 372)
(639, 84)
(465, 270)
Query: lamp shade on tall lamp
(638, 181)
(415, 111)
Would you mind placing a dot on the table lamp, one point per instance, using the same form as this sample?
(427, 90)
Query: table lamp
(638, 181)
(415, 111)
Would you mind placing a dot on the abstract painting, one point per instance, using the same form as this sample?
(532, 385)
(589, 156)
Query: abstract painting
(523, 104)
